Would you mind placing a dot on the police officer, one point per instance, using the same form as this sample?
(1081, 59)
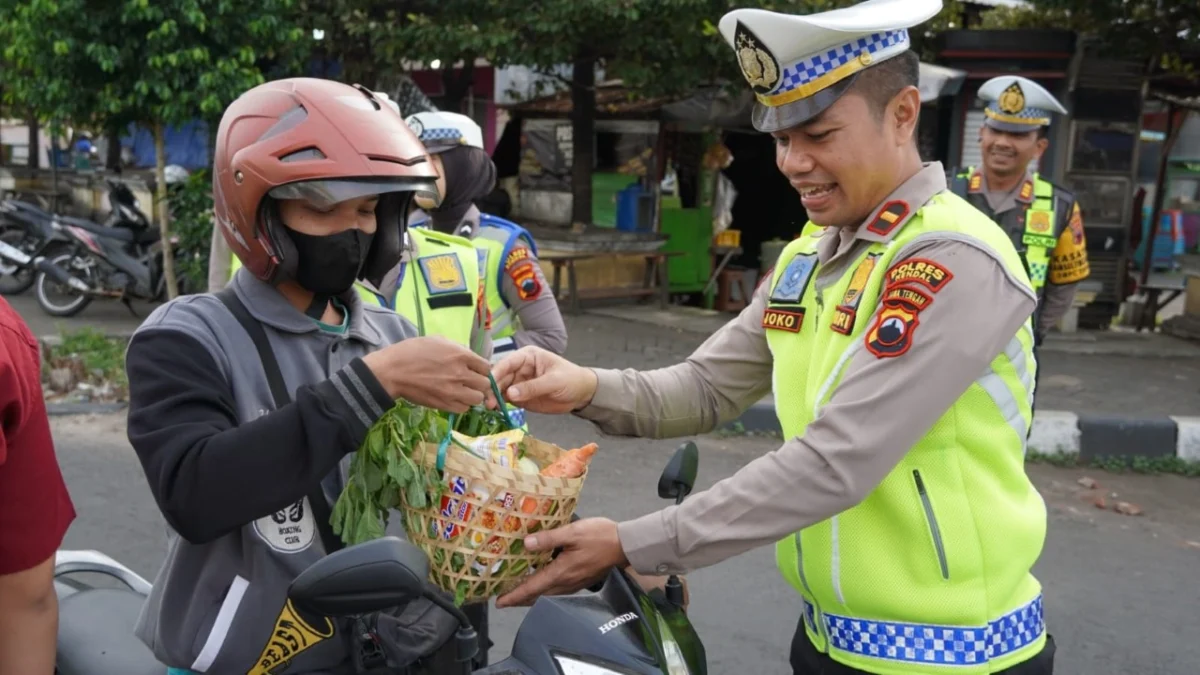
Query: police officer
(1042, 218)
(523, 312)
(900, 353)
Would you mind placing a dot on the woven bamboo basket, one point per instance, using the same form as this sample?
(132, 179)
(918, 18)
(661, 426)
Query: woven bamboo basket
(474, 536)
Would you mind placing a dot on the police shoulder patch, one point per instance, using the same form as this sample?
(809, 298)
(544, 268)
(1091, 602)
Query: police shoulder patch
(517, 255)
(923, 271)
(892, 333)
(525, 278)
(889, 218)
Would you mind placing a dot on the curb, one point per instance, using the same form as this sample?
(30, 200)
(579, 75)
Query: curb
(1057, 432)
(61, 409)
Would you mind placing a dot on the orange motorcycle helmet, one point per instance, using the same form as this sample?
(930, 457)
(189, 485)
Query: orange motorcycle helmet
(318, 140)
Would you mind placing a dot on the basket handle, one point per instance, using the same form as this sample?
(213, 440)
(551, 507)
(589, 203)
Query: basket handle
(445, 444)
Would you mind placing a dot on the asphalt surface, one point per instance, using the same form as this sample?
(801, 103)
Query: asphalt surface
(1121, 591)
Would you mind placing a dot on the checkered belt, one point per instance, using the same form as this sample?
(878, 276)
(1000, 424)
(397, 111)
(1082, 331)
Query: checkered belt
(942, 645)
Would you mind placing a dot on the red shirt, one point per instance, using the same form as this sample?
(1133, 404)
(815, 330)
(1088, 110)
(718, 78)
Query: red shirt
(35, 509)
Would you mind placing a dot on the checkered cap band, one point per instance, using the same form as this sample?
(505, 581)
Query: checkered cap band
(941, 645)
(1032, 116)
(812, 68)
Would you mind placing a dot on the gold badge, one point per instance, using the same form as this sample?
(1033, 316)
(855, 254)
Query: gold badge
(1012, 100)
(1039, 221)
(1026, 193)
(443, 274)
(293, 633)
(759, 66)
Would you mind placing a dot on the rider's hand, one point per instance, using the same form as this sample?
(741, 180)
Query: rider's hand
(540, 381)
(432, 372)
(590, 547)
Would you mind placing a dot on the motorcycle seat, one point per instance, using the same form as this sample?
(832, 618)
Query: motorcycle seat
(95, 635)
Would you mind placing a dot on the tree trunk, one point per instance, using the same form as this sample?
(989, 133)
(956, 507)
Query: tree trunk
(583, 137)
(164, 209)
(112, 160)
(456, 88)
(34, 150)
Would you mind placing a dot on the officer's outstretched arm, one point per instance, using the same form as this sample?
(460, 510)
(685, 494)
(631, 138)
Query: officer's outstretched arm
(727, 374)
(524, 289)
(919, 353)
(218, 261)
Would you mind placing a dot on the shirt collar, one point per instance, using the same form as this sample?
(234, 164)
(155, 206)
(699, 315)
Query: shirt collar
(267, 304)
(886, 221)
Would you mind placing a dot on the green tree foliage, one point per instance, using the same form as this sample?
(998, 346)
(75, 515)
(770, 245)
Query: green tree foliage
(154, 62)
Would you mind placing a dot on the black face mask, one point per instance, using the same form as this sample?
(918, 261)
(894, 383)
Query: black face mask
(328, 265)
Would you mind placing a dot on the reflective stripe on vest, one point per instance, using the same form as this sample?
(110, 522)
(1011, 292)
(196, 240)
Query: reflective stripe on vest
(956, 516)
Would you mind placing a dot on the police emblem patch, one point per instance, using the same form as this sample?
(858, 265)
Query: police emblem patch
(907, 295)
(1038, 221)
(759, 66)
(794, 280)
(844, 313)
(443, 274)
(920, 270)
(525, 278)
(891, 334)
(779, 319)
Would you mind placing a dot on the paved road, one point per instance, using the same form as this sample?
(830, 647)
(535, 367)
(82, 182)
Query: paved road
(1122, 592)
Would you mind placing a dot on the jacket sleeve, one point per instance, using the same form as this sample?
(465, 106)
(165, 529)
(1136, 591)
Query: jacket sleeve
(211, 475)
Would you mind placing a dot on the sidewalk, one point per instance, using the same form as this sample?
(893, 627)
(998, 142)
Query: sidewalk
(1098, 391)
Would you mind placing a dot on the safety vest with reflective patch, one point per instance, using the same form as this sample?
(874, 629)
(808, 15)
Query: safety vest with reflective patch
(933, 567)
(439, 289)
(1043, 215)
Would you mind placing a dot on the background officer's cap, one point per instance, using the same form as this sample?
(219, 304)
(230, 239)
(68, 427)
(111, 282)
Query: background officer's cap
(799, 65)
(440, 131)
(1016, 104)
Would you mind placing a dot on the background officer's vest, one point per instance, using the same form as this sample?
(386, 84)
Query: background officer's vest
(497, 238)
(933, 566)
(438, 289)
(1034, 228)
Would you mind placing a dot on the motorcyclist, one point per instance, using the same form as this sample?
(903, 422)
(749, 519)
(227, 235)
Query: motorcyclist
(523, 311)
(311, 179)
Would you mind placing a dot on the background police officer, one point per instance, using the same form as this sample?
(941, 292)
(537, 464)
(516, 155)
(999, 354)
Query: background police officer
(523, 311)
(1042, 218)
(899, 352)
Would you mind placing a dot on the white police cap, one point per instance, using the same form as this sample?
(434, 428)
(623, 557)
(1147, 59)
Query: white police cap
(799, 65)
(1016, 104)
(440, 131)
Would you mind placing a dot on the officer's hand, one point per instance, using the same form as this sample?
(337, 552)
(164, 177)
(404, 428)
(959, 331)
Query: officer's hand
(590, 548)
(538, 380)
(433, 372)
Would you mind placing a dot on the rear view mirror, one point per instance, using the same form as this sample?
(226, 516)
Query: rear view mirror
(369, 577)
(679, 477)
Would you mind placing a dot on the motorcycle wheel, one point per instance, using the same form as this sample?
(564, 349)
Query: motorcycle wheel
(43, 284)
(15, 280)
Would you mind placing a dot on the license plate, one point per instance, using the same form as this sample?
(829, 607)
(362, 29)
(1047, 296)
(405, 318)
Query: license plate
(14, 254)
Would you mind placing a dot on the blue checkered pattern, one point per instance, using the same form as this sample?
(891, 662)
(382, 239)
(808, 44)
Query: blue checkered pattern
(941, 645)
(1037, 271)
(442, 134)
(1026, 113)
(806, 70)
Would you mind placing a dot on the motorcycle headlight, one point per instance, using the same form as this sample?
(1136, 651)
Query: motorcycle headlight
(676, 664)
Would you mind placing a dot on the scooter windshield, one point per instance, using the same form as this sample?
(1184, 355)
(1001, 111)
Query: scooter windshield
(326, 193)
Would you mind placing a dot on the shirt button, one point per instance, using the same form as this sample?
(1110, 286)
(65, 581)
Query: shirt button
(662, 569)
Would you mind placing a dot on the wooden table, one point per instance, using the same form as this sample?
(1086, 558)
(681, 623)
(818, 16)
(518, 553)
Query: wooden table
(654, 281)
(1157, 284)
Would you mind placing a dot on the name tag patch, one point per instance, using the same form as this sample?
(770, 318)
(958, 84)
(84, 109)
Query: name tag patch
(925, 272)
(1039, 240)
(845, 312)
(443, 274)
(794, 280)
(782, 319)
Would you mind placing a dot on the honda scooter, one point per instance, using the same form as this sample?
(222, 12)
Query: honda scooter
(614, 628)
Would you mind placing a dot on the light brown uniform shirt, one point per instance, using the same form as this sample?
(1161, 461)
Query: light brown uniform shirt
(881, 408)
(1057, 298)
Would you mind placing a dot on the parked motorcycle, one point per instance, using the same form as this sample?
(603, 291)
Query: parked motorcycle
(122, 260)
(615, 628)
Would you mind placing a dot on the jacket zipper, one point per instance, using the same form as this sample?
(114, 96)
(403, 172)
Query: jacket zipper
(933, 526)
(818, 621)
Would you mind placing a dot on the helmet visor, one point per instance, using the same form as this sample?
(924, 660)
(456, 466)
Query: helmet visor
(326, 193)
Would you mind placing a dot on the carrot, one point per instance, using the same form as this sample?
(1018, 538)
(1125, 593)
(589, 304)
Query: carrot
(572, 463)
